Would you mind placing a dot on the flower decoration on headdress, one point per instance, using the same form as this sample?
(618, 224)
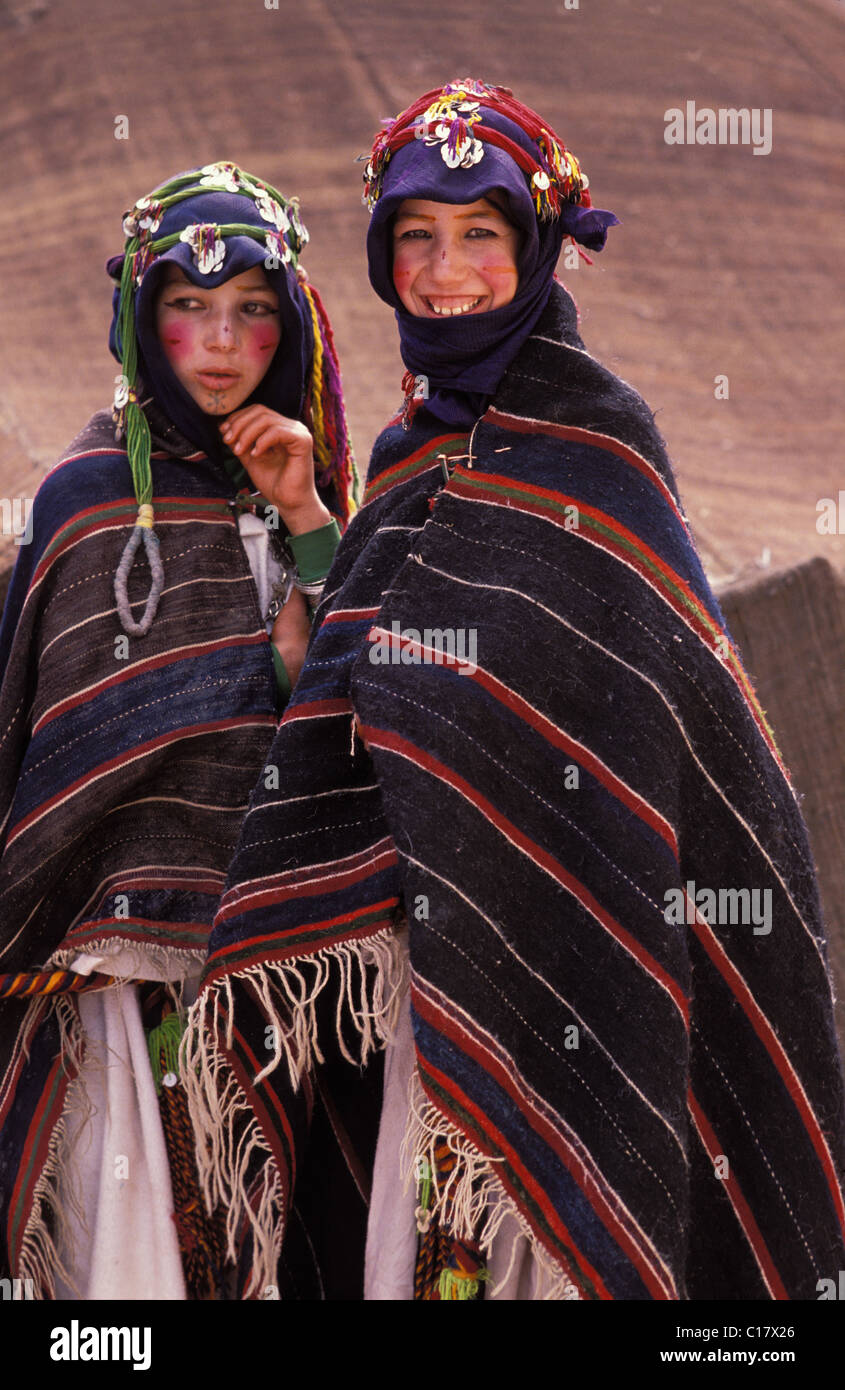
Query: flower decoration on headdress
(272, 211)
(225, 175)
(208, 246)
(277, 248)
(453, 118)
(448, 123)
(298, 227)
(139, 262)
(144, 219)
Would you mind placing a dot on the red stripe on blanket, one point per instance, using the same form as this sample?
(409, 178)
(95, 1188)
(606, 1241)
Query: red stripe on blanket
(266, 951)
(348, 615)
(485, 1130)
(741, 1208)
(154, 663)
(142, 750)
(601, 1202)
(315, 872)
(303, 888)
(316, 709)
(774, 1047)
(524, 425)
(393, 743)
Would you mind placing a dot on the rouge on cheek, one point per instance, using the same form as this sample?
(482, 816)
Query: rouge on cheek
(173, 340)
(491, 268)
(266, 339)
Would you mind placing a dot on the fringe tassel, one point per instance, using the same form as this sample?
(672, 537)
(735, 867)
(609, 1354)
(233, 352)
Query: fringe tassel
(171, 962)
(39, 1259)
(473, 1191)
(228, 1136)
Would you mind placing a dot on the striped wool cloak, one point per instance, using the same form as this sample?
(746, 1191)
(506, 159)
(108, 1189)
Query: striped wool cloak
(523, 724)
(127, 765)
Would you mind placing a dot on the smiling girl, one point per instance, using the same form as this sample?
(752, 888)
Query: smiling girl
(450, 260)
(585, 1097)
(151, 634)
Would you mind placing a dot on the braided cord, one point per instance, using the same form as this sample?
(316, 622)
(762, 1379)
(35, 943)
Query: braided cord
(332, 445)
(321, 449)
(32, 982)
(138, 442)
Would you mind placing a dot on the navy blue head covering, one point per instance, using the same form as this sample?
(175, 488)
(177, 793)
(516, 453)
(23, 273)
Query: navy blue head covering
(464, 358)
(282, 388)
(214, 223)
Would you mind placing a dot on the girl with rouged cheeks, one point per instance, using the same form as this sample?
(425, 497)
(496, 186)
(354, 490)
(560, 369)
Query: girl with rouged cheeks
(450, 260)
(595, 1087)
(219, 343)
(150, 638)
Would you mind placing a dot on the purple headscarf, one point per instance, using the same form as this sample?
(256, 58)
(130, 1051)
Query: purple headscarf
(283, 386)
(464, 358)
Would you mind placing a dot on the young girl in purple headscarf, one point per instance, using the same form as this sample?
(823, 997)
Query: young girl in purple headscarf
(528, 768)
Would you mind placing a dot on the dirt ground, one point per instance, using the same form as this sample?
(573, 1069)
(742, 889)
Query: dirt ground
(728, 264)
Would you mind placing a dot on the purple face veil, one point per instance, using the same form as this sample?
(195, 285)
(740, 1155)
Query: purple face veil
(458, 145)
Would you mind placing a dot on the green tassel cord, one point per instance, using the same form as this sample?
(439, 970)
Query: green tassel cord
(464, 1287)
(440, 1273)
(163, 1046)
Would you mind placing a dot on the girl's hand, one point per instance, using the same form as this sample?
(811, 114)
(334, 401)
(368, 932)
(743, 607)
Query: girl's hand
(278, 455)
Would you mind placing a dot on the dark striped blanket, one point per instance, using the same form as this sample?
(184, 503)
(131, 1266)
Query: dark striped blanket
(127, 765)
(561, 775)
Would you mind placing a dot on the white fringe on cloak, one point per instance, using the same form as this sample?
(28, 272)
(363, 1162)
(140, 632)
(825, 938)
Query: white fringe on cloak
(220, 1110)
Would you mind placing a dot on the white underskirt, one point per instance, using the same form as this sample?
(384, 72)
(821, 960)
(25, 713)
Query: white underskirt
(122, 1242)
(391, 1228)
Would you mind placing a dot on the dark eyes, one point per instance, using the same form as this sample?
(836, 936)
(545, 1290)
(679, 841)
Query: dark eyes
(253, 308)
(182, 302)
(423, 234)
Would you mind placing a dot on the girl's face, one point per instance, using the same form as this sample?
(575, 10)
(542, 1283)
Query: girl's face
(453, 258)
(220, 341)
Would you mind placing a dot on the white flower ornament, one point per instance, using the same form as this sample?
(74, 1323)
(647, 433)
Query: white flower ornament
(225, 176)
(448, 123)
(277, 248)
(271, 211)
(209, 249)
(144, 219)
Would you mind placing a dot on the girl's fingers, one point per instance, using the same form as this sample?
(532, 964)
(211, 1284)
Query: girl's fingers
(267, 427)
(247, 435)
(238, 425)
(240, 441)
(239, 418)
(268, 439)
